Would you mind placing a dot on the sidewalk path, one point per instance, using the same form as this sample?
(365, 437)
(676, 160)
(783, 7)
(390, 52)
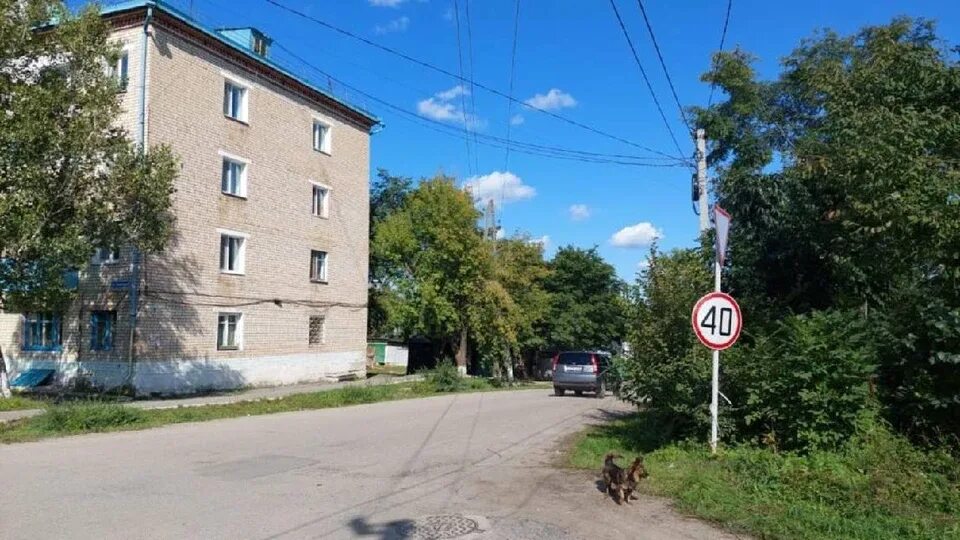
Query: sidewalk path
(252, 394)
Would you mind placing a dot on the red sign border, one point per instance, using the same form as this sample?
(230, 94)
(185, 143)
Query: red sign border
(696, 327)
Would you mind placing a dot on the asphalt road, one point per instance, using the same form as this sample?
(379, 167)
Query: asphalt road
(481, 464)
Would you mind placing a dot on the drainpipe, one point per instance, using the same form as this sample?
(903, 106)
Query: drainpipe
(141, 141)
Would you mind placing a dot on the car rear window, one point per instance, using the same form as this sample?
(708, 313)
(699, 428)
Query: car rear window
(575, 359)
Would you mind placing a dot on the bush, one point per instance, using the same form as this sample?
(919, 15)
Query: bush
(445, 377)
(86, 417)
(804, 385)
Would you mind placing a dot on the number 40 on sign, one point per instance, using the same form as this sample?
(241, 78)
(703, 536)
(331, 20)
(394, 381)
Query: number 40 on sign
(716, 320)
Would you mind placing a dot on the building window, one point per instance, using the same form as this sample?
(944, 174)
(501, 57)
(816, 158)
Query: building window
(233, 249)
(233, 177)
(259, 45)
(41, 332)
(320, 197)
(318, 266)
(321, 137)
(234, 101)
(229, 331)
(119, 71)
(101, 330)
(315, 336)
(106, 255)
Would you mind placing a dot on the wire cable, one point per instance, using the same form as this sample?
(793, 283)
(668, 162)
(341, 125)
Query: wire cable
(463, 99)
(498, 142)
(462, 79)
(643, 72)
(473, 93)
(723, 38)
(663, 64)
(513, 67)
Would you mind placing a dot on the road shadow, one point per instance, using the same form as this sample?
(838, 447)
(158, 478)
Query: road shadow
(391, 530)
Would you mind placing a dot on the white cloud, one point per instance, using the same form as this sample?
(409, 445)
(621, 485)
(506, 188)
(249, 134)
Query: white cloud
(516, 120)
(543, 241)
(553, 99)
(386, 3)
(579, 212)
(442, 107)
(499, 185)
(643, 265)
(640, 235)
(455, 92)
(396, 25)
(500, 233)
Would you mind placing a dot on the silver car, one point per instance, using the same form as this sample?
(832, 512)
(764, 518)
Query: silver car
(581, 371)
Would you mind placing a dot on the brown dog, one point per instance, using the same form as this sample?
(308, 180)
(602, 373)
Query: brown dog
(614, 477)
(632, 478)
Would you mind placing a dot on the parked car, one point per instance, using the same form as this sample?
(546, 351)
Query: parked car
(582, 371)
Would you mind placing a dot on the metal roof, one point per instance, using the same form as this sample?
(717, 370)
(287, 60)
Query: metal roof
(129, 5)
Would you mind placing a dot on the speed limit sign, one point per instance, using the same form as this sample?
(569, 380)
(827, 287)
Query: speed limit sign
(716, 320)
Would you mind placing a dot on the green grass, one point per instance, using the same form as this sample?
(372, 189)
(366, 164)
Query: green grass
(99, 416)
(877, 487)
(19, 403)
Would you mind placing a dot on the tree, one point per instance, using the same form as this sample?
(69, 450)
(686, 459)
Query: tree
(70, 179)
(587, 307)
(667, 367)
(442, 263)
(843, 177)
(388, 194)
(521, 271)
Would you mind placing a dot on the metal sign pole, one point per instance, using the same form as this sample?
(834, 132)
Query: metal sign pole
(714, 394)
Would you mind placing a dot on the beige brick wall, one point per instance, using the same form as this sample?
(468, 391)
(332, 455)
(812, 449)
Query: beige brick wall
(185, 288)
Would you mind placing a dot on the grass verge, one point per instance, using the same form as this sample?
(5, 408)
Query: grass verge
(878, 486)
(19, 403)
(98, 416)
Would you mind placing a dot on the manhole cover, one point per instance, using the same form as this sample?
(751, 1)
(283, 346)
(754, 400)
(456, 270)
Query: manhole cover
(437, 527)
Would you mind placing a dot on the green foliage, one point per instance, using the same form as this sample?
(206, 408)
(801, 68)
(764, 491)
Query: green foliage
(875, 486)
(439, 259)
(444, 377)
(804, 385)
(668, 369)
(76, 182)
(88, 417)
(587, 306)
(843, 177)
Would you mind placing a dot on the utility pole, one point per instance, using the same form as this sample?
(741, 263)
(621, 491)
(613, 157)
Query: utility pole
(702, 179)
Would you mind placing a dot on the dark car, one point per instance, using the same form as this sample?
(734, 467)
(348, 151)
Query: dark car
(582, 371)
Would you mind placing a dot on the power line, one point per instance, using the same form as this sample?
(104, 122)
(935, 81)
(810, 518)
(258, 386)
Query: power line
(497, 142)
(462, 79)
(463, 99)
(663, 64)
(723, 38)
(643, 72)
(473, 93)
(513, 66)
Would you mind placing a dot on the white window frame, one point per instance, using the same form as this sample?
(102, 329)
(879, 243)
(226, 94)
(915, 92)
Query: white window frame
(325, 209)
(120, 70)
(98, 257)
(238, 333)
(241, 256)
(325, 144)
(324, 276)
(245, 166)
(243, 114)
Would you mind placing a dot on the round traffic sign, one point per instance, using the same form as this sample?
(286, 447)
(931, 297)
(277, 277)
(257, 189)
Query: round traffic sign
(716, 320)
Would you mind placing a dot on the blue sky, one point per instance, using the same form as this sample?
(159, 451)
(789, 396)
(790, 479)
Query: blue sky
(570, 53)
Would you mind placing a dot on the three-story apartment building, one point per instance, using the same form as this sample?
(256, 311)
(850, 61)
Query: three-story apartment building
(265, 279)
